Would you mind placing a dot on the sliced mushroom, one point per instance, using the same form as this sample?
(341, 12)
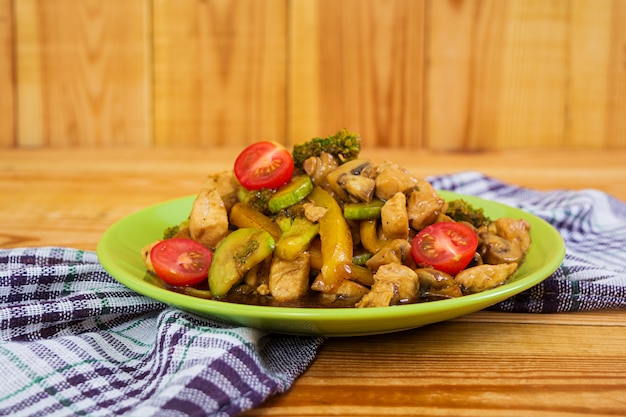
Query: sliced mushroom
(437, 284)
(397, 251)
(506, 240)
(513, 229)
(358, 186)
(497, 250)
(345, 182)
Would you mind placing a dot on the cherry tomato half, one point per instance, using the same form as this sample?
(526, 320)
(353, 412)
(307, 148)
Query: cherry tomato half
(446, 246)
(181, 261)
(264, 165)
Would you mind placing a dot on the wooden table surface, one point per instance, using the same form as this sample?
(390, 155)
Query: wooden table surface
(482, 364)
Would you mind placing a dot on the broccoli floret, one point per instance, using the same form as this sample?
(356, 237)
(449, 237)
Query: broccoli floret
(462, 211)
(344, 145)
(257, 199)
(172, 231)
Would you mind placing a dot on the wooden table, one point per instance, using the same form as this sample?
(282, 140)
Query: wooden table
(483, 364)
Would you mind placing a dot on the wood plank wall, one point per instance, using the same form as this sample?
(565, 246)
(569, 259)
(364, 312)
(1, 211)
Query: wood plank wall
(461, 75)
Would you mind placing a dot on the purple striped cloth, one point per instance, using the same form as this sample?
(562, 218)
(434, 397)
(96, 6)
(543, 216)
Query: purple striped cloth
(75, 342)
(593, 226)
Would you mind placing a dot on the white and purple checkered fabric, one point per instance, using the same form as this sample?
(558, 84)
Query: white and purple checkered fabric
(593, 226)
(74, 342)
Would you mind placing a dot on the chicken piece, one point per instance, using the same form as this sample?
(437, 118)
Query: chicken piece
(484, 277)
(289, 280)
(208, 220)
(437, 284)
(258, 276)
(396, 251)
(226, 185)
(318, 167)
(424, 206)
(391, 179)
(351, 290)
(506, 240)
(394, 219)
(145, 255)
(513, 229)
(314, 213)
(393, 284)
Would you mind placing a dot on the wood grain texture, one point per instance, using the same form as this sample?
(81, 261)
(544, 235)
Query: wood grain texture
(461, 368)
(82, 72)
(7, 99)
(525, 74)
(498, 76)
(590, 54)
(462, 75)
(616, 99)
(357, 64)
(219, 70)
(54, 189)
(484, 364)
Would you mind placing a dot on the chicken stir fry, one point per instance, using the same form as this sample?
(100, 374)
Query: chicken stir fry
(322, 227)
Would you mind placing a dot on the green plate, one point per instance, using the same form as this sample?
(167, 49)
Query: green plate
(119, 252)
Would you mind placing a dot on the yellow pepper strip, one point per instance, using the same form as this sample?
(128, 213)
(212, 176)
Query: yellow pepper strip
(316, 255)
(244, 216)
(336, 243)
(360, 274)
(368, 231)
(296, 239)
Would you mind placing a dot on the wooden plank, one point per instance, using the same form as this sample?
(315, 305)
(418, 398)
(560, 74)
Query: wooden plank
(590, 54)
(465, 55)
(7, 103)
(616, 79)
(29, 85)
(51, 190)
(304, 72)
(497, 74)
(357, 64)
(535, 75)
(219, 71)
(82, 74)
(401, 373)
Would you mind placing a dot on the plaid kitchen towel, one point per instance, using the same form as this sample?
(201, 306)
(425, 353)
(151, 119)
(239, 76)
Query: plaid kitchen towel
(75, 342)
(593, 226)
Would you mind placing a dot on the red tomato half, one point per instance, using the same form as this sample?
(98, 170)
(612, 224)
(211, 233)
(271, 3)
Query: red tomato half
(180, 261)
(264, 165)
(446, 246)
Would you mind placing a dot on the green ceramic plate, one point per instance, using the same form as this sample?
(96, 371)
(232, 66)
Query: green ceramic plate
(119, 253)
